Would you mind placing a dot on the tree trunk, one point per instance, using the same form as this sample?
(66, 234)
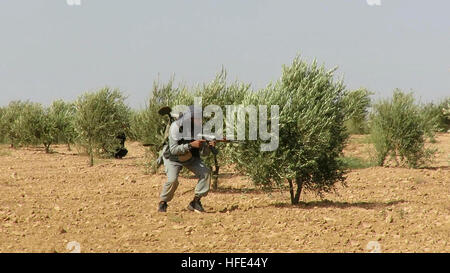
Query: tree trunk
(291, 190)
(299, 183)
(47, 148)
(91, 154)
(295, 197)
(214, 184)
(68, 147)
(215, 175)
(91, 159)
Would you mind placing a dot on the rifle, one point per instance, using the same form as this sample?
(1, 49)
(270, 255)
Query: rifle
(207, 139)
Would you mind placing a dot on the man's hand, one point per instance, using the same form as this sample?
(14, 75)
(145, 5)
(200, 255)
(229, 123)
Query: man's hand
(197, 143)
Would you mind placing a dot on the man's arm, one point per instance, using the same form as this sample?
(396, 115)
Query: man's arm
(177, 149)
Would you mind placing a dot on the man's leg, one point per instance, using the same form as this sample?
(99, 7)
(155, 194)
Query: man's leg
(171, 185)
(204, 179)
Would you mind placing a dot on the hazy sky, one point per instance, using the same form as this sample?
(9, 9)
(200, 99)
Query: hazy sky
(50, 50)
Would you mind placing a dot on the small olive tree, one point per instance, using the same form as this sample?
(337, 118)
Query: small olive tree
(25, 123)
(398, 130)
(35, 125)
(100, 117)
(10, 123)
(46, 129)
(62, 117)
(311, 132)
(434, 116)
(356, 106)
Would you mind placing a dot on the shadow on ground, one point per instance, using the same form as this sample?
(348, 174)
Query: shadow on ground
(221, 176)
(230, 190)
(337, 204)
(443, 167)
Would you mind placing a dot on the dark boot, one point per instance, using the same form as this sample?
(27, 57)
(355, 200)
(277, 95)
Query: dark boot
(162, 206)
(196, 205)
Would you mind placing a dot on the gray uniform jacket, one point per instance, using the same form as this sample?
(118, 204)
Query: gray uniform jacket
(179, 147)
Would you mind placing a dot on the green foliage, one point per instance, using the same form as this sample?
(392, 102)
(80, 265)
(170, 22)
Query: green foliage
(435, 117)
(135, 125)
(147, 125)
(431, 114)
(26, 123)
(353, 163)
(45, 129)
(62, 118)
(33, 124)
(446, 108)
(312, 132)
(10, 128)
(356, 105)
(444, 117)
(398, 130)
(218, 92)
(100, 117)
(2, 134)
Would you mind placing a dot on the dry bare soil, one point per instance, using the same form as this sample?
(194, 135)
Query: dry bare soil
(50, 200)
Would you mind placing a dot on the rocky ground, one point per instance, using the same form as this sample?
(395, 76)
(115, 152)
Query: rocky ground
(50, 200)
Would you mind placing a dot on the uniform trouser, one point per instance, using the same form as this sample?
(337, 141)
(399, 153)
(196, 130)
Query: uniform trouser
(173, 169)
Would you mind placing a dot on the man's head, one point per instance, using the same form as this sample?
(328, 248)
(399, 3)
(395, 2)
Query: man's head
(191, 118)
(194, 114)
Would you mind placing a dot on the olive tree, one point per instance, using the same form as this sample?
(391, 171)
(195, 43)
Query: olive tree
(435, 118)
(62, 117)
(100, 117)
(311, 132)
(398, 130)
(36, 126)
(356, 106)
(26, 123)
(10, 123)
